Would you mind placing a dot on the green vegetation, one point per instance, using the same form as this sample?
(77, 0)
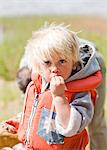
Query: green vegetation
(10, 99)
(18, 29)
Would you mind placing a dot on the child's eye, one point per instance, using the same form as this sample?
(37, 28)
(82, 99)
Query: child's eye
(47, 63)
(62, 61)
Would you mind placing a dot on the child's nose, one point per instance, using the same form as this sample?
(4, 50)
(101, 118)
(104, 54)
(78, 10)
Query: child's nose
(54, 69)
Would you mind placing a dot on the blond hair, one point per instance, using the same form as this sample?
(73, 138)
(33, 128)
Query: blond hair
(51, 40)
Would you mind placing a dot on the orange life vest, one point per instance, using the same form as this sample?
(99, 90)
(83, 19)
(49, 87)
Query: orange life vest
(32, 117)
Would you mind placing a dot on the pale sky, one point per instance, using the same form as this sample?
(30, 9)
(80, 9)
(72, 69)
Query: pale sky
(25, 7)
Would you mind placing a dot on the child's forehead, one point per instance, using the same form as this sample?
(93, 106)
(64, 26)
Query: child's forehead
(54, 56)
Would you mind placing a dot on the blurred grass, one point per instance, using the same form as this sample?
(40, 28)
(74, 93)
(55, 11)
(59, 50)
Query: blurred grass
(10, 99)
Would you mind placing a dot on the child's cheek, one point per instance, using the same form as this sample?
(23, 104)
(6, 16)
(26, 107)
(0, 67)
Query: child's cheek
(47, 76)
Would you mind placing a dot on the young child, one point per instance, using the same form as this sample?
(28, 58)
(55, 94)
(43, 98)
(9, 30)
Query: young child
(97, 128)
(59, 102)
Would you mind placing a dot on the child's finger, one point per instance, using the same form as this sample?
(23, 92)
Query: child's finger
(61, 79)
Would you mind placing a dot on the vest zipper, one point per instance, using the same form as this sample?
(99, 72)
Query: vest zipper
(33, 112)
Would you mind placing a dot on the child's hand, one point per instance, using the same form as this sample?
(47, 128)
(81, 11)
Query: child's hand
(57, 86)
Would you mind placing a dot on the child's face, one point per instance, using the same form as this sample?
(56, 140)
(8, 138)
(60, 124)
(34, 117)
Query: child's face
(56, 67)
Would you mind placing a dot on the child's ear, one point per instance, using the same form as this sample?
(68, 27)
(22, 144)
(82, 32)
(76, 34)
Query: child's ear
(76, 65)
